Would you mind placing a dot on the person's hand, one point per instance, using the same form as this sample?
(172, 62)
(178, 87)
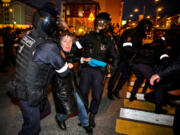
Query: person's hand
(154, 78)
(70, 65)
(108, 75)
(86, 59)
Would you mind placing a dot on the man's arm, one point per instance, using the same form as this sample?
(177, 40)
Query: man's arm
(172, 69)
(49, 53)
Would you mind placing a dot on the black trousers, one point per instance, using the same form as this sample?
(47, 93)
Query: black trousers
(141, 71)
(92, 78)
(32, 116)
(176, 124)
(123, 68)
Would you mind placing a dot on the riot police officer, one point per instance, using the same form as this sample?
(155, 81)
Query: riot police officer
(140, 56)
(169, 75)
(146, 54)
(98, 48)
(38, 57)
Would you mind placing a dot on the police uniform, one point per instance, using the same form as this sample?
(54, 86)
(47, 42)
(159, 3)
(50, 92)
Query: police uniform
(100, 47)
(122, 68)
(38, 57)
(142, 57)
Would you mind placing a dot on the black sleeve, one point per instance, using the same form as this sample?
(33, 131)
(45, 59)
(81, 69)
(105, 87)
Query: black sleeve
(76, 53)
(49, 53)
(129, 43)
(114, 54)
(172, 69)
(83, 40)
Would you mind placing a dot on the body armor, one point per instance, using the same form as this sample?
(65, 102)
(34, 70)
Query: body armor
(97, 46)
(30, 78)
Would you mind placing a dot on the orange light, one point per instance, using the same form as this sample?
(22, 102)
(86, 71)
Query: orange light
(6, 1)
(158, 17)
(10, 10)
(159, 9)
(131, 15)
(148, 17)
(91, 17)
(156, 0)
(136, 10)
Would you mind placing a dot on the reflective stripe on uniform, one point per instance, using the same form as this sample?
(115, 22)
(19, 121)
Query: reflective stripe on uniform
(164, 56)
(127, 44)
(81, 60)
(163, 38)
(79, 46)
(63, 69)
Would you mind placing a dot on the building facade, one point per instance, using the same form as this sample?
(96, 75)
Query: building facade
(80, 14)
(16, 14)
(114, 8)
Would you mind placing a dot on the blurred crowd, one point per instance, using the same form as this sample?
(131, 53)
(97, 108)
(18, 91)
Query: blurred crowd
(9, 39)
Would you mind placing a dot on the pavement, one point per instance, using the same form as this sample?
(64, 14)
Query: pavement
(11, 118)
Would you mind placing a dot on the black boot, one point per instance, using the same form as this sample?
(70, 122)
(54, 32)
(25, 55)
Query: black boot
(88, 130)
(110, 96)
(132, 97)
(61, 124)
(91, 120)
(159, 110)
(116, 94)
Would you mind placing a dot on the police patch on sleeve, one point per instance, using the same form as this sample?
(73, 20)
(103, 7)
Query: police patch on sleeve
(28, 41)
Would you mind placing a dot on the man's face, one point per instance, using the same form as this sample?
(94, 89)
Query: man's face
(66, 43)
(100, 25)
(116, 30)
(147, 29)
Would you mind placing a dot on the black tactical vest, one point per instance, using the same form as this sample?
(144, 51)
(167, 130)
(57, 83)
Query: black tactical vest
(97, 46)
(30, 77)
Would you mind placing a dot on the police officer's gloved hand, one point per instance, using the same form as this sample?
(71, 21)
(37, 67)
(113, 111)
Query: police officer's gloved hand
(43, 103)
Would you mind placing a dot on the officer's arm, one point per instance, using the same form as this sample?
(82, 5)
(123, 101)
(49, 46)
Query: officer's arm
(83, 41)
(129, 44)
(114, 54)
(49, 54)
(172, 69)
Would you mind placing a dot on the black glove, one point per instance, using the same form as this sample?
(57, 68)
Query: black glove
(43, 103)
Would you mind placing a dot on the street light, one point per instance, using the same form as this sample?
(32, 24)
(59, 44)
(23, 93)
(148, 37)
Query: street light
(136, 10)
(158, 17)
(148, 17)
(11, 10)
(131, 15)
(156, 1)
(159, 9)
(13, 18)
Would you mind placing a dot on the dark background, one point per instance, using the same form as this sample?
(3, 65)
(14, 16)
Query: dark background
(170, 7)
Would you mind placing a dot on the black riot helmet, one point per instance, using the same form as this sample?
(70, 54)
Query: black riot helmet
(144, 27)
(45, 19)
(102, 22)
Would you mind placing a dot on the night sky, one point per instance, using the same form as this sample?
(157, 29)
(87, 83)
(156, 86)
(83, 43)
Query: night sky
(170, 7)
